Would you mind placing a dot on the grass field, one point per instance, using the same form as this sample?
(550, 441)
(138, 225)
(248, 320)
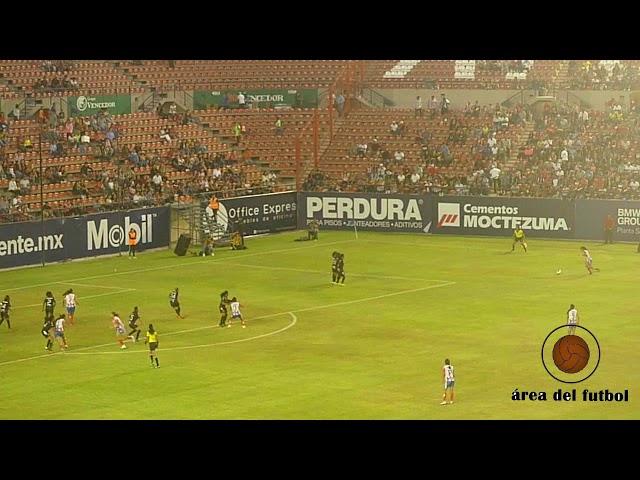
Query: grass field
(372, 349)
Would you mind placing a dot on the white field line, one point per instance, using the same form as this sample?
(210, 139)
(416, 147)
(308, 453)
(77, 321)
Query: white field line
(201, 261)
(294, 320)
(302, 270)
(90, 286)
(317, 307)
(84, 298)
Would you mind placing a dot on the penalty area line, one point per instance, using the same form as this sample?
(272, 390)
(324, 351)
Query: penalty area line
(294, 320)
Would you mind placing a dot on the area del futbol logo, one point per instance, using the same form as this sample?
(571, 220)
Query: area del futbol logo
(448, 215)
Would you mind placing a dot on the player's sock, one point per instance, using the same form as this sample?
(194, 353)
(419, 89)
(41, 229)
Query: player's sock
(9, 324)
(157, 362)
(138, 335)
(151, 358)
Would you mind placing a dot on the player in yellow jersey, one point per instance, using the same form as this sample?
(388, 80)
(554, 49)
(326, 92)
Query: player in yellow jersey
(152, 340)
(519, 237)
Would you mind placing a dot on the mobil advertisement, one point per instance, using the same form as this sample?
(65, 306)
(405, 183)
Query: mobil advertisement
(374, 212)
(591, 216)
(273, 212)
(30, 243)
(549, 218)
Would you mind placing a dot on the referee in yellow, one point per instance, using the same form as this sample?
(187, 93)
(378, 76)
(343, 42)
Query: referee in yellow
(519, 237)
(152, 340)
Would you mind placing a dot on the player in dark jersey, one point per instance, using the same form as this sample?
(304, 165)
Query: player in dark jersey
(5, 306)
(224, 301)
(340, 269)
(334, 265)
(133, 325)
(174, 302)
(47, 331)
(48, 306)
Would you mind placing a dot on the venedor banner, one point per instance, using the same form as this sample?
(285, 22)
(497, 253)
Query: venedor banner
(538, 217)
(90, 105)
(591, 216)
(303, 97)
(272, 212)
(365, 211)
(67, 238)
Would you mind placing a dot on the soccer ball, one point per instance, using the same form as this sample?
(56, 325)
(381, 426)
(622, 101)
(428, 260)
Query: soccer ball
(559, 272)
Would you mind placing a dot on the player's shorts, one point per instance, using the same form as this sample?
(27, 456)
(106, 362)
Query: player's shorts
(588, 262)
(236, 315)
(521, 240)
(133, 326)
(174, 304)
(48, 314)
(119, 331)
(59, 335)
(572, 322)
(449, 384)
(71, 310)
(222, 310)
(153, 346)
(45, 333)
(4, 316)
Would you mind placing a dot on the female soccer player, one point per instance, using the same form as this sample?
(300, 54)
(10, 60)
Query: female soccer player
(48, 305)
(133, 325)
(70, 302)
(119, 327)
(449, 382)
(222, 307)
(175, 302)
(152, 340)
(588, 261)
(235, 312)
(5, 306)
(62, 341)
(572, 319)
(47, 331)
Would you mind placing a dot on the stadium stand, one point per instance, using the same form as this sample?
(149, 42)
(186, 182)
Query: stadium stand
(147, 157)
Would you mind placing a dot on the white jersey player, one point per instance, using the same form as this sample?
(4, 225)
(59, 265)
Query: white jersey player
(449, 382)
(59, 332)
(572, 319)
(588, 261)
(119, 328)
(235, 312)
(70, 304)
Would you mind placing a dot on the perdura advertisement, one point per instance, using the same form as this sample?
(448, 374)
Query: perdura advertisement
(376, 212)
(272, 212)
(90, 105)
(67, 238)
(303, 97)
(538, 217)
(591, 216)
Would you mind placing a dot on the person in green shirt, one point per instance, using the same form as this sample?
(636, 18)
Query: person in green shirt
(519, 237)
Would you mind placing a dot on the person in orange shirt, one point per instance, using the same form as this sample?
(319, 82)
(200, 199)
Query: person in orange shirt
(214, 204)
(133, 241)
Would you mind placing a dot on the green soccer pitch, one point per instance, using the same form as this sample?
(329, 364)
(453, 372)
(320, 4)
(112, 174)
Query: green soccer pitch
(373, 349)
